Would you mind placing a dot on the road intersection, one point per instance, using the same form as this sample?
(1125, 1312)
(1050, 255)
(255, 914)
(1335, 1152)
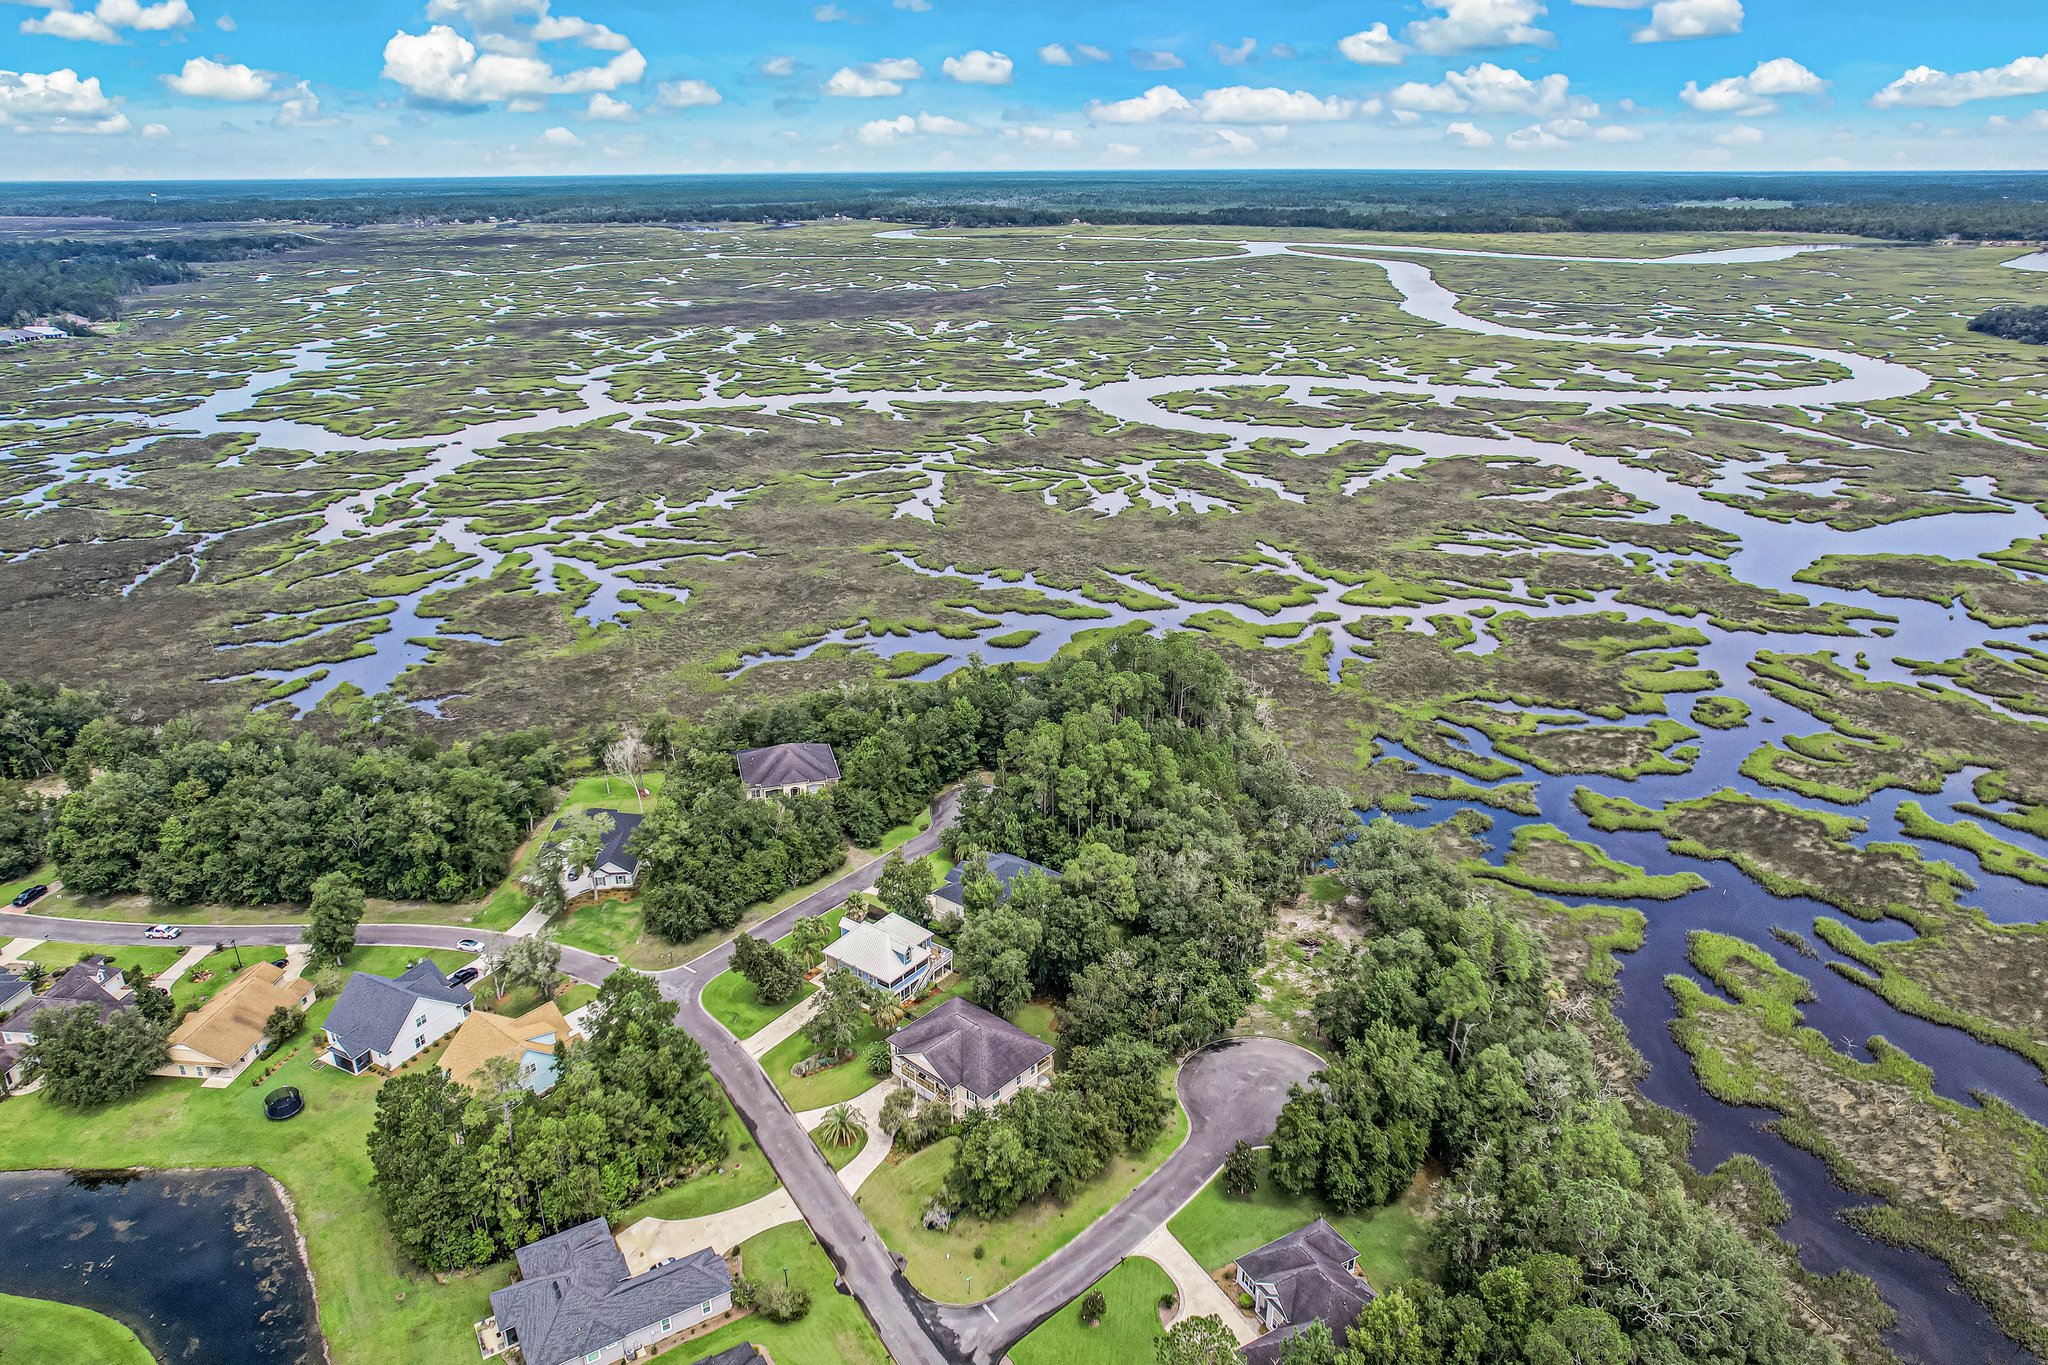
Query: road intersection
(1232, 1090)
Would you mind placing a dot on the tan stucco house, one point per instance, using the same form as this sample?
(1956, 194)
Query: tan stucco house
(217, 1041)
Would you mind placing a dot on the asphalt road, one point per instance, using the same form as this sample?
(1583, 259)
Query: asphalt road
(1232, 1090)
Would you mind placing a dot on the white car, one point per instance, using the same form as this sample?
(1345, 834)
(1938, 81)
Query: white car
(469, 945)
(162, 931)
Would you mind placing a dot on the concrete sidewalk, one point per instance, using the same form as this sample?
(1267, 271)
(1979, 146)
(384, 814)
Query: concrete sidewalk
(785, 1024)
(1200, 1295)
(175, 973)
(652, 1240)
(869, 1107)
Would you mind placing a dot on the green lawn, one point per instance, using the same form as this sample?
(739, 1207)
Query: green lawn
(374, 1308)
(221, 964)
(153, 959)
(1128, 1328)
(607, 928)
(1036, 1019)
(841, 1157)
(834, 1331)
(1217, 1228)
(903, 834)
(848, 1080)
(943, 1264)
(741, 1178)
(38, 1330)
(731, 1001)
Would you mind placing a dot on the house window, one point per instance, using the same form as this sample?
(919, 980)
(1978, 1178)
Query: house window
(594, 1357)
(420, 1022)
(420, 1041)
(706, 1308)
(664, 1324)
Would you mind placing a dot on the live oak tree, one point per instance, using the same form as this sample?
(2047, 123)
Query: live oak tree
(905, 886)
(994, 954)
(1197, 1341)
(840, 1014)
(1241, 1170)
(84, 1061)
(530, 962)
(336, 910)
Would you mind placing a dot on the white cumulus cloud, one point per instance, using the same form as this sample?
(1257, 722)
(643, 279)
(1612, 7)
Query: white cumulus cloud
(1042, 135)
(1926, 87)
(203, 78)
(691, 94)
(1756, 93)
(1234, 54)
(1373, 46)
(1491, 89)
(59, 101)
(561, 137)
(1470, 25)
(103, 22)
(504, 65)
(1468, 135)
(1060, 54)
(1154, 59)
(979, 68)
(1676, 20)
(873, 80)
(883, 132)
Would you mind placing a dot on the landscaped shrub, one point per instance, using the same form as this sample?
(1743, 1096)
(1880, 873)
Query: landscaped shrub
(781, 1301)
(878, 1059)
(1093, 1306)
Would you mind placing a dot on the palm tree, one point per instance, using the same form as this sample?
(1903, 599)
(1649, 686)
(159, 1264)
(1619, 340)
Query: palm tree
(889, 1015)
(842, 1126)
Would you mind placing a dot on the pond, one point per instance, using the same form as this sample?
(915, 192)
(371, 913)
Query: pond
(203, 1266)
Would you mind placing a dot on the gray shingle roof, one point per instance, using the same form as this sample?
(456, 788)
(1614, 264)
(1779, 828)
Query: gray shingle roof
(746, 1353)
(788, 765)
(964, 1045)
(574, 1295)
(371, 1011)
(79, 985)
(1306, 1271)
(1004, 867)
(614, 850)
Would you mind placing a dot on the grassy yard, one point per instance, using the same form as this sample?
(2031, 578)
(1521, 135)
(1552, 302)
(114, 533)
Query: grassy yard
(841, 1157)
(374, 1307)
(943, 1264)
(1036, 1019)
(33, 1330)
(221, 965)
(834, 1331)
(152, 959)
(848, 1080)
(1217, 1228)
(1128, 1328)
(741, 1178)
(730, 999)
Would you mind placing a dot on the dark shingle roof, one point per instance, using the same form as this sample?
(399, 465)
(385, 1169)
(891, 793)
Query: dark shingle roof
(746, 1353)
(1004, 867)
(574, 1295)
(79, 985)
(965, 1045)
(372, 1010)
(1306, 1270)
(788, 765)
(614, 850)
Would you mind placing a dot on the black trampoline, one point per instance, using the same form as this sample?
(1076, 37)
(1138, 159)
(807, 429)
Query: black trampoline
(282, 1104)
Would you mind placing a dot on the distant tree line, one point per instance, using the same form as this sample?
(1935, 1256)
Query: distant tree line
(263, 813)
(90, 278)
(2014, 323)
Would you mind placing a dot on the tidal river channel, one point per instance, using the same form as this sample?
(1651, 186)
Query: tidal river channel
(203, 1266)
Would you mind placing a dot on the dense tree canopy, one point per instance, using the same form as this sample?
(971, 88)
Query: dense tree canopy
(467, 1176)
(262, 814)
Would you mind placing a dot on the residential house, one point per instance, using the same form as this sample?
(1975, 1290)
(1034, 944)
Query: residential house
(1006, 868)
(614, 867)
(14, 992)
(746, 1353)
(962, 1055)
(787, 769)
(381, 1024)
(574, 1303)
(92, 982)
(891, 954)
(528, 1041)
(218, 1041)
(1310, 1274)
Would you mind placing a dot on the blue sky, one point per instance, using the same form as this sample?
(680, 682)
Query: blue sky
(225, 88)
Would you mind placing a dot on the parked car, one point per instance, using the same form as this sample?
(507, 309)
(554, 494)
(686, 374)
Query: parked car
(469, 945)
(162, 931)
(462, 977)
(31, 895)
